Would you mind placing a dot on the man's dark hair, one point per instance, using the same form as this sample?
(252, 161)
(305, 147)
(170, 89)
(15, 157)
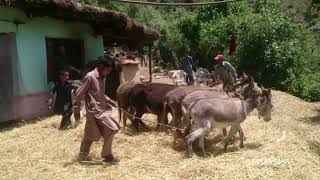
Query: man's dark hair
(62, 72)
(105, 61)
(108, 62)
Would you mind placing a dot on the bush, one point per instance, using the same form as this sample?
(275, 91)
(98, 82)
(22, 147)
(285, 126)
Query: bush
(271, 45)
(307, 87)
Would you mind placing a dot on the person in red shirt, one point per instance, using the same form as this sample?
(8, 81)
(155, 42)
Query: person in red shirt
(233, 45)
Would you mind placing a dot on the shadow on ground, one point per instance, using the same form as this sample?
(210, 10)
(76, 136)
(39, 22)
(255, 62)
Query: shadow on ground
(211, 146)
(313, 119)
(95, 161)
(10, 125)
(314, 147)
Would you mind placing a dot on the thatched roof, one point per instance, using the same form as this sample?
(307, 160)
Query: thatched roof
(114, 26)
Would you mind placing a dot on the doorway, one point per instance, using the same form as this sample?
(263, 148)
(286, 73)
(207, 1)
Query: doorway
(74, 52)
(8, 54)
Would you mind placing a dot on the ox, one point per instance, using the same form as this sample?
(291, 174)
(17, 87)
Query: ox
(143, 98)
(123, 93)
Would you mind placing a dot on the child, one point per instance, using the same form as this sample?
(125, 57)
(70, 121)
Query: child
(63, 103)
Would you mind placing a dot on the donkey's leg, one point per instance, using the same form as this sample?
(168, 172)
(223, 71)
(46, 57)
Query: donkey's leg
(137, 120)
(191, 138)
(201, 145)
(230, 135)
(224, 131)
(201, 139)
(124, 118)
(241, 136)
(176, 119)
(186, 121)
(188, 128)
(176, 122)
(161, 122)
(127, 116)
(179, 124)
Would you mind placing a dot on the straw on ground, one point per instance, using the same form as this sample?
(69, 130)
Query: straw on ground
(288, 147)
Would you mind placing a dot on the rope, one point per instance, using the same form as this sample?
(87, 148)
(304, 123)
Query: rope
(175, 4)
(135, 117)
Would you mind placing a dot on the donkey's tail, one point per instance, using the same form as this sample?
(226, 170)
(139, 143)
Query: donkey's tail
(164, 112)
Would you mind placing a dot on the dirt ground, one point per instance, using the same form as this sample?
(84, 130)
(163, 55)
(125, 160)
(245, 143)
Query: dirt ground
(287, 147)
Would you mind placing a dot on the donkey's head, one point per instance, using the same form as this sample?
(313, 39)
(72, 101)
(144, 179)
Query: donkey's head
(245, 85)
(264, 102)
(261, 97)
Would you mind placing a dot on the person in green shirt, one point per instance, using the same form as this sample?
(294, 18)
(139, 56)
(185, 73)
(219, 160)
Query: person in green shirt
(225, 72)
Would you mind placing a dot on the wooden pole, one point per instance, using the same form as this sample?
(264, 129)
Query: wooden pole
(150, 60)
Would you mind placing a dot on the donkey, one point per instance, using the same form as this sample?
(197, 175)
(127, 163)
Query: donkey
(205, 94)
(175, 97)
(221, 113)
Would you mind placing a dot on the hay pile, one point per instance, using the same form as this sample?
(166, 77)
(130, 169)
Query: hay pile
(288, 147)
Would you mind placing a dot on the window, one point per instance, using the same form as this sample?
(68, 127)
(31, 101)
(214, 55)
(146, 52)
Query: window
(74, 56)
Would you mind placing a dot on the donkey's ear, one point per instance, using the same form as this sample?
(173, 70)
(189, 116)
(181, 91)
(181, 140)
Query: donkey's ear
(261, 86)
(250, 78)
(268, 91)
(244, 75)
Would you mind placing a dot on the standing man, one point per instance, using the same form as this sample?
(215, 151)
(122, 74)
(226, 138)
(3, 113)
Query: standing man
(187, 64)
(156, 57)
(226, 72)
(61, 62)
(99, 122)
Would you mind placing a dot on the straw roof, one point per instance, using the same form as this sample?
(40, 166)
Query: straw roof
(114, 26)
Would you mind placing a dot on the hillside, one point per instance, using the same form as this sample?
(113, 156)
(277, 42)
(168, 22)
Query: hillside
(298, 6)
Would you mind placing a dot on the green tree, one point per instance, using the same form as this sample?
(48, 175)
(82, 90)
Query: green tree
(273, 46)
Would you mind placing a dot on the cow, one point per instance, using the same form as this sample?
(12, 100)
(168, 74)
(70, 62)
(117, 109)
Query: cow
(140, 98)
(223, 112)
